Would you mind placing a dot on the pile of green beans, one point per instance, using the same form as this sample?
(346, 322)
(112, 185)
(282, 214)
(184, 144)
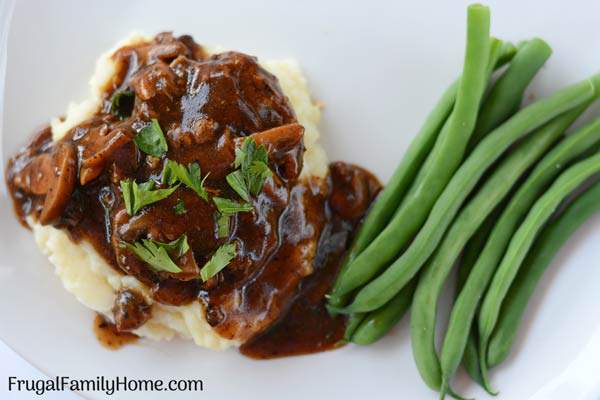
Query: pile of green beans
(552, 238)
(485, 178)
(481, 273)
(381, 289)
(498, 184)
(520, 244)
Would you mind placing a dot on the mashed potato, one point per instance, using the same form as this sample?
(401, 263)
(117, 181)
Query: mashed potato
(88, 276)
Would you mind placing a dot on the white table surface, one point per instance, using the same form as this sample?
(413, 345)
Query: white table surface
(559, 349)
(11, 364)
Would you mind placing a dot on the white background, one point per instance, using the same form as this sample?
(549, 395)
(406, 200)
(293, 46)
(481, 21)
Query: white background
(11, 364)
(378, 67)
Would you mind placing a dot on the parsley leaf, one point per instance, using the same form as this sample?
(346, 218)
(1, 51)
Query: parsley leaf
(226, 206)
(151, 140)
(249, 152)
(253, 169)
(158, 254)
(180, 207)
(137, 196)
(218, 261)
(143, 194)
(222, 224)
(238, 183)
(127, 191)
(258, 172)
(178, 246)
(191, 176)
(122, 103)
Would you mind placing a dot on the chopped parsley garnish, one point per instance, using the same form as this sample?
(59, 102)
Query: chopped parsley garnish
(191, 176)
(158, 254)
(127, 192)
(122, 103)
(136, 196)
(218, 261)
(249, 152)
(222, 224)
(256, 175)
(179, 208)
(227, 208)
(237, 182)
(253, 169)
(151, 140)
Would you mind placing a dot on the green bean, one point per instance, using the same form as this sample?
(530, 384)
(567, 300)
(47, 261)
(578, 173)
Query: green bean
(379, 322)
(520, 244)
(470, 218)
(352, 325)
(503, 100)
(383, 288)
(372, 329)
(548, 168)
(506, 52)
(499, 183)
(470, 358)
(552, 238)
(472, 251)
(506, 95)
(444, 158)
(390, 197)
(501, 53)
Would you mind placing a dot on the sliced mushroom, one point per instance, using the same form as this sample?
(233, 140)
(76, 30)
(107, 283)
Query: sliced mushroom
(280, 139)
(130, 310)
(61, 181)
(33, 178)
(352, 190)
(98, 151)
(167, 51)
(285, 148)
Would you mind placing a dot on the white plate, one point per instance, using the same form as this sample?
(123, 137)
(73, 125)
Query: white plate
(378, 68)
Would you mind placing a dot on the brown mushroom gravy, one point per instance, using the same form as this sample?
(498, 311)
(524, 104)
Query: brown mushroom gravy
(271, 295)
(109, 336)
